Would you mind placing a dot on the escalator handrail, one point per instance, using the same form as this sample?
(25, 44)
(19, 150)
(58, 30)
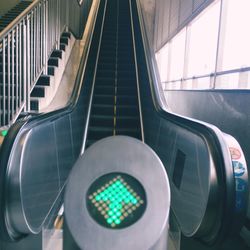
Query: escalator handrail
(93, 85)
(211, 134)
(31, 121)
(136, 71)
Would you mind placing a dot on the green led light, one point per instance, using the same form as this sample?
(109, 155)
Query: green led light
(115, 201)
(4, 132)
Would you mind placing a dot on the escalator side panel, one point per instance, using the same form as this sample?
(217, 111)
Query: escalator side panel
(196, 184)
(42, 153)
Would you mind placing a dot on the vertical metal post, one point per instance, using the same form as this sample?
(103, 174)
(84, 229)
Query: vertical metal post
(4, 82)
(39, 38)
(220, 40)
(24, 63)
(34, 47)
(17, 67)
(21, 56)
(28, 52)
(186, 56)
(58, 23)
(31, 43)
(8, 77)
(1, 44)
(13, 73)
(45, 44)
(67, 15)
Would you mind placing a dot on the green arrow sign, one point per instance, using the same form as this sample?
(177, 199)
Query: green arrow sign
(4, 132)
(116, 201)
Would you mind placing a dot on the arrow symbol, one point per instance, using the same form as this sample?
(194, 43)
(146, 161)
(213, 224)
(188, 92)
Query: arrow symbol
(116, 201)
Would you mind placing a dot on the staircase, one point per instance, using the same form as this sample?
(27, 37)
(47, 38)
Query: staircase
(47, 84)
(13, 13)
(115, 109)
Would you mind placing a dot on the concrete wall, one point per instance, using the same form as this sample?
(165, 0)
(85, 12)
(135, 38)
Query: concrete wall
(165, 18)
(6, 5)
(148, 9)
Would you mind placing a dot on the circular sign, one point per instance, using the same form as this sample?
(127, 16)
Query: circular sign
(116, 200)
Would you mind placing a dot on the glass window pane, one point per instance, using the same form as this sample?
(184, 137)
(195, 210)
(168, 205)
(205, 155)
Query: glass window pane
(236, 46)
(177, 54)
(203, 42)
(162, 62)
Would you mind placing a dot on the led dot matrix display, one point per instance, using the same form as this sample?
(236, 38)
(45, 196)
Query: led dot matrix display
(116, 200)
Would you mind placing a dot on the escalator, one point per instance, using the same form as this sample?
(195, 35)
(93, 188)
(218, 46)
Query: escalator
(117, 93)
(115, 109)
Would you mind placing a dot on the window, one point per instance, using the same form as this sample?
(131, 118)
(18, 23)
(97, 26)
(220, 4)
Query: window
(177, 53)
(203, 39)
(162, 62)
(235, 46)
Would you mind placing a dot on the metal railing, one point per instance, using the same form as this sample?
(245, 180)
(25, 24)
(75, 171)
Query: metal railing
(25, 46)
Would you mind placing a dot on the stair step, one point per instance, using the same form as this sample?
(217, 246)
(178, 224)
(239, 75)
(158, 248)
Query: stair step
(66, 34)
(44, 80)
(53, 61)
(51, 70)
(6, 21)
(62, 46)
(34, 104)
(38, 91)
(64, 40)
(57, 54)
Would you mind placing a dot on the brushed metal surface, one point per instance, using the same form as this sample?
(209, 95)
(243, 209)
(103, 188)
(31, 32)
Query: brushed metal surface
(119, 154)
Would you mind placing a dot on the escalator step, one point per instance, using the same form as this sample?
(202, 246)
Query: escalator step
(127, 110)
(127, 100)
(102, 120)
(97, 133)
(98, 109)
(89, 143)
(127, 122)
(133, 132)
(104, 99)
(104, 90)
